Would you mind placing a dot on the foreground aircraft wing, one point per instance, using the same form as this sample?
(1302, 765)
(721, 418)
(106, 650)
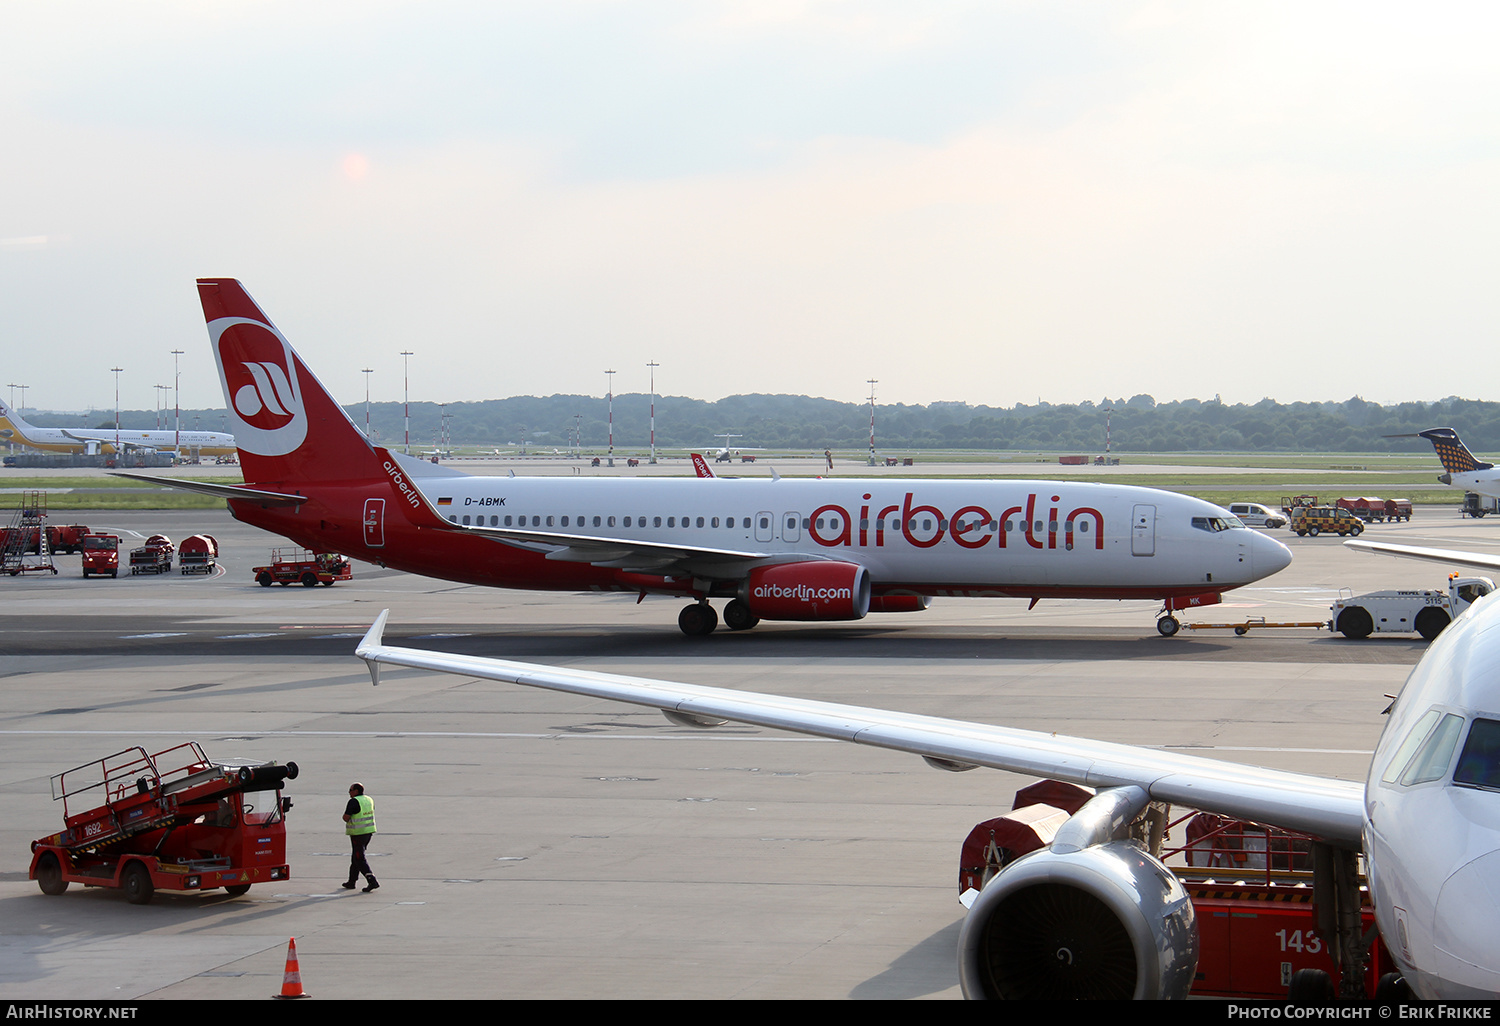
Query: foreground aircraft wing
(1456, 557)
(1323, 807)
(221, 491)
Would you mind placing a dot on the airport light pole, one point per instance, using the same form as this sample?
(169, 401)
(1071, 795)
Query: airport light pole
(159, 390)
(117, 371)
(611, 398)
(11, 446)
(177, 403)
(653, 365)
(406, 378)
(367, 371)
(872, 382)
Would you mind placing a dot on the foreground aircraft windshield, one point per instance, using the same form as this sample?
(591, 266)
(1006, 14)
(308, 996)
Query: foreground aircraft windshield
(1427, 822)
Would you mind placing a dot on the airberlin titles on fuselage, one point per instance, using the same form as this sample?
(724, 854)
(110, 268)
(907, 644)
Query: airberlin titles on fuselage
(831, 525)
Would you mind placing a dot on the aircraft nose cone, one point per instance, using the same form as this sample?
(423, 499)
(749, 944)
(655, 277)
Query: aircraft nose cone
(1464, 923)
(1269, 555)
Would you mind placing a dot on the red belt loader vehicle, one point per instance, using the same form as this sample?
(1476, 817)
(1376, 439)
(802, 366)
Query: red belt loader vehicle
(301, 566)
(101, 555)
(171, 821)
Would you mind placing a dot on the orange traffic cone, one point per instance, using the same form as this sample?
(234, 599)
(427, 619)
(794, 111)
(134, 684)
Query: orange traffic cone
(291, 980)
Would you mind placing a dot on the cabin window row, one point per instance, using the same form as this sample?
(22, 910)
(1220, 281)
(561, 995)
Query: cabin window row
(744, 523)
(537, 520)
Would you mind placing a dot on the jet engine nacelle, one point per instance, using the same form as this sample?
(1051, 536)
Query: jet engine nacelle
(1105, 921)
(815, 590)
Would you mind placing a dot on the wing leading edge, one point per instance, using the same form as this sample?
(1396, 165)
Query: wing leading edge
(1320, 806)
(1456, 557)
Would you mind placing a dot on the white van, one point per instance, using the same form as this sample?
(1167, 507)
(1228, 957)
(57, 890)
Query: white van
(1255, 515)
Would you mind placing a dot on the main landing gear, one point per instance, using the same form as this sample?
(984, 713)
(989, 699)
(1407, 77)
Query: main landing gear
(1167, 625)
(699, 619)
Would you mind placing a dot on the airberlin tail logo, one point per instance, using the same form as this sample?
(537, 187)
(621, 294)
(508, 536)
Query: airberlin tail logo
(260, 383)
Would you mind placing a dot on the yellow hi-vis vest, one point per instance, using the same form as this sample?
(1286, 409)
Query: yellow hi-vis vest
(363, 821)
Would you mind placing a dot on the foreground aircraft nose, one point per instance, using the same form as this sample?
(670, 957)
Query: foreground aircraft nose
(1267, 555)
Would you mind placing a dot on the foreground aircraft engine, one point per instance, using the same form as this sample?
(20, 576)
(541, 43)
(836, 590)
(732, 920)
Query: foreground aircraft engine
(816, 590)
(1091, 916)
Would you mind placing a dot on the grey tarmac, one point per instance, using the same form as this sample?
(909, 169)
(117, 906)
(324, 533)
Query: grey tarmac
(535, 845)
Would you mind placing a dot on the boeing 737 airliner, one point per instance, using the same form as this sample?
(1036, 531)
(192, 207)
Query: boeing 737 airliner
(777, 549)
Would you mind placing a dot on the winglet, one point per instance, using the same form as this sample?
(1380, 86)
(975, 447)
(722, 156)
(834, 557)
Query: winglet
(369, 646)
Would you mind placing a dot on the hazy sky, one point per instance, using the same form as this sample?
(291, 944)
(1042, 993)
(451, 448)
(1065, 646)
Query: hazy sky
(990, 202)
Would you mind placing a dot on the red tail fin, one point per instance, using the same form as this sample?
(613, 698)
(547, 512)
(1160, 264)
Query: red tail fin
(287, 427)
(700, 466)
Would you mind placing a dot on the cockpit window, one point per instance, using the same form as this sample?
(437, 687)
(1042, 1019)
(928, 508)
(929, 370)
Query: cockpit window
(1479, 764)
(1225, 523)
(1431, 760)
(1414, 737)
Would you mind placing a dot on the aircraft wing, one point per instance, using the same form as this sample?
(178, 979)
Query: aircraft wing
(1455, 557)
(1323, 807)
(630, 553)
(125, 445)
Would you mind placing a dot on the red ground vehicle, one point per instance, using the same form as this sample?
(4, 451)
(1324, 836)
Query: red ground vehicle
(1369, 508)
(1397, 509)
(197, 553)
(152, 558)
(101, 555)
(304, 567)
(172, 820)
(67, 538)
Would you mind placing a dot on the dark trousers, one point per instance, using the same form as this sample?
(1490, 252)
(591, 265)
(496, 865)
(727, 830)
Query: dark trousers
(357, 864)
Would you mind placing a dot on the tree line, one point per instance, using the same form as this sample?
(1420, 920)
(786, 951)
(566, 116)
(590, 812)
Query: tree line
(1137, 424)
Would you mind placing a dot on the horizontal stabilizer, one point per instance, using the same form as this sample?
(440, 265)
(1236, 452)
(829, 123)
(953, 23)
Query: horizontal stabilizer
(265, 498)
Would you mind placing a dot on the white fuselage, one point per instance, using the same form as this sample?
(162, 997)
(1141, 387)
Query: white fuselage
(934, 536)
(14, 429)
(1480, 482)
